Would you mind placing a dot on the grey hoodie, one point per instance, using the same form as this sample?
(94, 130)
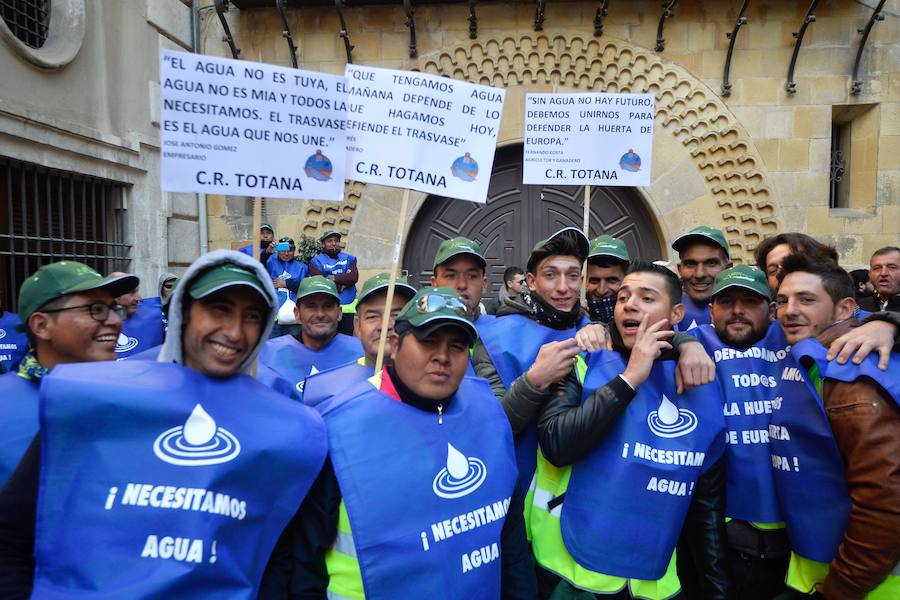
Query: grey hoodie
(172, 349)
(162, 279)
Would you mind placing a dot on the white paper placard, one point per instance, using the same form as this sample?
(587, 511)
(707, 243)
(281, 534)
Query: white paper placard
(588, 139)
(250, 129)
(423, 132)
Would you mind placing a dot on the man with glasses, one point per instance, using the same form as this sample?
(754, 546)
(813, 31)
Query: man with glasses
(69, 314)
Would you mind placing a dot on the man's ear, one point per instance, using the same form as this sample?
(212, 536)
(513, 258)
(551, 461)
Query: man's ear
(845, 309)
(729, 265)
(677, 314)
(297, 312)
(356, 325)
(529, 280)
(393, 341)
(41, 326)
(772, 312)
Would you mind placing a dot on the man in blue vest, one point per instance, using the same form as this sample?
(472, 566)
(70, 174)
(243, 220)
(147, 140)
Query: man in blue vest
(13, 343)
(418, 500)
(702, 254)
(607, 262)
(285, 270)
(459, 264)
(628, 462)
(165, 479)
(317, 347)
(143, 327)
(70, 314)
(338, 266)
(835, 444)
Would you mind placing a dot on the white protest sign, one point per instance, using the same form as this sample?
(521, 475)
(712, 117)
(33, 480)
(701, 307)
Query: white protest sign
(588, 139)
(423, 132)
(250, 129)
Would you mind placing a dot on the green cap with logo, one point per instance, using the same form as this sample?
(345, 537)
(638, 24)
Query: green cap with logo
(328, 233)
(743, 276)
(705, 235)
(456, 247)
(433, 308)
(67, 277)
(608, 246)
(317, 285)
(381, 282)
(223, 276)
(267, 226)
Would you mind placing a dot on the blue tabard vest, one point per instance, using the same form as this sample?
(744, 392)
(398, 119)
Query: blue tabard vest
(426, 501)
(148, 354)
(13, 343)
(287, 358)
(627, 500)
(322, 387)
(513, 342)
(808, 468)
(151, 485)
(18, 420)
(143, 330)
(694, 314)
(750, 381)
(293, 269)
(337, 266)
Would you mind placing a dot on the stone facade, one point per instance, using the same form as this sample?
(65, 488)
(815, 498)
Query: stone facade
(754, 163)
(88, 103)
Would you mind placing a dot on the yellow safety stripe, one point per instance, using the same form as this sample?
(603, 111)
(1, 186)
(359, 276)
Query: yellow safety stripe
(344, 576)
(803, 575)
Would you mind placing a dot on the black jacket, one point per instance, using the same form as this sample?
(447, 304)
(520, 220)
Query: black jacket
(568, 430)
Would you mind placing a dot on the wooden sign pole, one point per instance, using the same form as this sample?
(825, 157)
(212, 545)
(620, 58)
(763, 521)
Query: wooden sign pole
(586, 227)
(395, 265)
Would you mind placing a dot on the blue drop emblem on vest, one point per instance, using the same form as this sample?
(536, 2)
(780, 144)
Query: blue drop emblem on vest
(197, 443)
(2, 333)
(300, 384)
(669, 421)
(462, 475)
(125, 343)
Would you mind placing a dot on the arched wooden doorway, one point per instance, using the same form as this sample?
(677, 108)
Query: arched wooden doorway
(518, 216)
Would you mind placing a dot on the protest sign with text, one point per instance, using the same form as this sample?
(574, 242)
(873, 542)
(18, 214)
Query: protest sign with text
(250, 129)
(588, 139)
(421, 132)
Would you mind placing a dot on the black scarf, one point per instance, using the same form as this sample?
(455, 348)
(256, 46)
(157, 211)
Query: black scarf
(547, 315)
(413, 399)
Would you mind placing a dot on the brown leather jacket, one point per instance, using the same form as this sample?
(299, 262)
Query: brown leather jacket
(866, 426)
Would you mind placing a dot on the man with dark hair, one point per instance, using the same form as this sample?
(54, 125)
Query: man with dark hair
(628, 461)
(864, 287)
(607, 263)
(702, 254)
(884, 274)
(317, 347)
(835, 444)
(152, 478)
(266, 243)
(143, 327)
(336, 265)
(513, 280)
(772, 251)
(372, 529)
(69, 313)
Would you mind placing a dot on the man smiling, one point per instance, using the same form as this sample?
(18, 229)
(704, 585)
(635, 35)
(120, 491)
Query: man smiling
(702, 254)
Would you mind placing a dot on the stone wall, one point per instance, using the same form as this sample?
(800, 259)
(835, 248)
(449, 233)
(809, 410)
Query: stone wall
(754, 163)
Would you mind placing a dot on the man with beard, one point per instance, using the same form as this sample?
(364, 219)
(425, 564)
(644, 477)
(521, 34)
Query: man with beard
(884, 273)
(702, 254)
(607, 263)
(628, 462)
(317, 347)
(835, 445)
(70, 315)
(143, 327)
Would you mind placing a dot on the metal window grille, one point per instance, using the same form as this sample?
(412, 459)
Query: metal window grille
(27, 19)
(48, 215)
(838, 168)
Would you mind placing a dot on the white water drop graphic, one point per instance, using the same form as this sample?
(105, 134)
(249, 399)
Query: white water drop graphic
(123, 340)
(199, 428)
(457, 463)
(668, 412)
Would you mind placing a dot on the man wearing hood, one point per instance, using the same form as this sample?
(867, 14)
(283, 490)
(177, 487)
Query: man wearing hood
(146, 477)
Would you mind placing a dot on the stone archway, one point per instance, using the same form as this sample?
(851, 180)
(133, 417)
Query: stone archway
(706, 169)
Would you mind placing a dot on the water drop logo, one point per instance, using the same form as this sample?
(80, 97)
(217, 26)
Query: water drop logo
(125, 343)
(197, 443)
(669, 421)
(462, 475)
(302, 383)
(2, 333)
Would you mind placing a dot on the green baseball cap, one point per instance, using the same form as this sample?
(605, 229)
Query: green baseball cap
(706, 235)
(67, 277)
(457, 246)
(267, 226)
(433, 308)
(224, 276)
(328, 233)
(607, 245)
(539, 252)
(317, 285)
(743, 276)
(380, 282)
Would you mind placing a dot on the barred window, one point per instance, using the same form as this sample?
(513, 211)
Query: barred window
(28, 20)
(48, 215)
